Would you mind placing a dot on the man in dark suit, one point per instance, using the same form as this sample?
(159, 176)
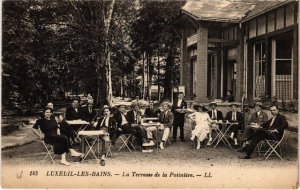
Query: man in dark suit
(271, 130)
(73, 112)
(109, 125)
(151, 111)
(88, 113)
(128, 126)
(257, 118)
(178, 117)
(214, 114)
(234, 116)
(134, 115)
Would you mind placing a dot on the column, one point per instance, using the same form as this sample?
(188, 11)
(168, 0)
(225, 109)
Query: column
(201, 80)
(185, 66)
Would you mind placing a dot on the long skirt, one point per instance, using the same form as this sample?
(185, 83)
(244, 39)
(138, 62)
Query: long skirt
(60, 142)
(201, 131)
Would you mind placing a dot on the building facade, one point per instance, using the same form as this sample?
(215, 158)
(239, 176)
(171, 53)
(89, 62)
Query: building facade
(249, 48)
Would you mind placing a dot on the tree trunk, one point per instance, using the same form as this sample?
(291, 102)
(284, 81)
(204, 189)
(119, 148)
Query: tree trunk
(107, 22)
(168, 76)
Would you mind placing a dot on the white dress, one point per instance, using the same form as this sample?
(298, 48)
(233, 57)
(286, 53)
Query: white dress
(202, 127)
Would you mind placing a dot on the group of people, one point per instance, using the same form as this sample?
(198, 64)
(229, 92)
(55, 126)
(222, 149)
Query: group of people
(255, 126)
(114, 123)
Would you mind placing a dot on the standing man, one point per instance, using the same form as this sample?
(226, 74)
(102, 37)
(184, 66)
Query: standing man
(234, 116)
(178, 117)
(258, 118)
(271, 130)
(109, 126)
(73, 112)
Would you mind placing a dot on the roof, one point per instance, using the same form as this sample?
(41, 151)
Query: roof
(228, 10)
(263, 6)
(223, 10)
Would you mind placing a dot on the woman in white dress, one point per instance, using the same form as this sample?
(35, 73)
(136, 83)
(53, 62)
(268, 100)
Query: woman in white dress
(202, 121)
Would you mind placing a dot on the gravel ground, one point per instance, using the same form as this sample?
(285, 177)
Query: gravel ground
(227, 169)
(173, 154)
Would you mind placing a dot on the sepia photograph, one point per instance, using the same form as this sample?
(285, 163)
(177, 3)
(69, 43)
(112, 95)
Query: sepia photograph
(149, 94)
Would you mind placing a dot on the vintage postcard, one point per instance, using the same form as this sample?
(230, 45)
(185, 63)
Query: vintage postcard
(152, 94)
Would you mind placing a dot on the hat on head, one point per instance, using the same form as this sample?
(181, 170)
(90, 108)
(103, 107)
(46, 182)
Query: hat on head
(202, 106)
(212, 103)
(167, 103)
(258, 104)
(106, 107)
(234, 104)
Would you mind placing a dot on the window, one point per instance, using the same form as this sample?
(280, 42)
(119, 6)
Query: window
(282, 67)
(259, 69)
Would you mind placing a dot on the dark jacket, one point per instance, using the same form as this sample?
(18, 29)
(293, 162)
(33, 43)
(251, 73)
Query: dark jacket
(259, 119)
(118, 118)
(219, 115)
(71, 114)
(167, 120)
(178, 117)
(239, 117)
(131, 119)
(151, 112)
(112, 125)
(87, 115)
(280, 123)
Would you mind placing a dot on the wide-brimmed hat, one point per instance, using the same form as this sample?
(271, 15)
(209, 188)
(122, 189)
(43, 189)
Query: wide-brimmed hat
(166, 103)
(258, 104)
(202, 106)
(106, 107)
(234, 104)
(212, 103)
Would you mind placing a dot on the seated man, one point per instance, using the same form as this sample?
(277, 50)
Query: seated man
(88, 113)
(257, 118)
(271, 130)
(73, 112)
(151, 111)
(214, 114)
(234, 117)
(124, 126)
(166, 119)
(108, 125)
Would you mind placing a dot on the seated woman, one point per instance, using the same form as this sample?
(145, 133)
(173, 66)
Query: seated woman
(61, 143)
(202, 127)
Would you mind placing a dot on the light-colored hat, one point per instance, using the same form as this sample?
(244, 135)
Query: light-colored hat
(212, 103)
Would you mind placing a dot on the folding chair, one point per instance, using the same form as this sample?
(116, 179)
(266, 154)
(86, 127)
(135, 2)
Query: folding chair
(125, 138)
(49, 148)
(91, 139)
(274, 148)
